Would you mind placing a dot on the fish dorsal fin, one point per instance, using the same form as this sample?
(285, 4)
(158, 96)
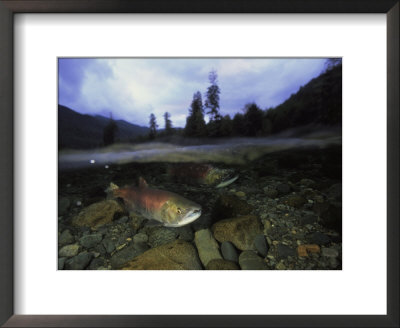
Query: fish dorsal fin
(142, 183)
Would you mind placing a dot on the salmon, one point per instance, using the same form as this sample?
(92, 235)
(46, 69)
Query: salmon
(204, 174)
(168, 208)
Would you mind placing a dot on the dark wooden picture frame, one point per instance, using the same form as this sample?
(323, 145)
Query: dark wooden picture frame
(10, 7)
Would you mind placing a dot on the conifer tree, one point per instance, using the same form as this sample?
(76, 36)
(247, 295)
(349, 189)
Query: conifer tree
(195, 124)
(153, 126)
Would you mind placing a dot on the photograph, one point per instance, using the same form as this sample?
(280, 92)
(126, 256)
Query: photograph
(199, 163)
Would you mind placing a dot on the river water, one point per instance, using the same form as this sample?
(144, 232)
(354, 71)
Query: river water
(230, 151)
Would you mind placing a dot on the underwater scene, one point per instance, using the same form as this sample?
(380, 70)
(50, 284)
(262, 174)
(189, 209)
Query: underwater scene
(200, 164)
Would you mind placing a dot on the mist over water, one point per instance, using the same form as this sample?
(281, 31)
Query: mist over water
(230, 151)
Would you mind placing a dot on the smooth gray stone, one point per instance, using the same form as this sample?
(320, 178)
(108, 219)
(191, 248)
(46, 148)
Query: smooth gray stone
(90, 241)
(249, 260)
(79, 262)
(127, 254)
(261, 245)
(229, 252)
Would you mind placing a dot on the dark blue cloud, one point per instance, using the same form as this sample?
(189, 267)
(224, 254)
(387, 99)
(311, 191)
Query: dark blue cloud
(71, 77)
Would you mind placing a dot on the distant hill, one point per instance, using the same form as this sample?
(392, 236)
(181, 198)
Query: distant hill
(80, 131)
(319, 102)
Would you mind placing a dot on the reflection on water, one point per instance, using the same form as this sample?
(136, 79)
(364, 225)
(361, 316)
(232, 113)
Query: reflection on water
(232, 151)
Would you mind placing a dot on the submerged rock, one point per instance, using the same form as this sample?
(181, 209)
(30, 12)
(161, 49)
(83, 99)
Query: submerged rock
(97, 263)
(295, 201)
(319, 238)
(261, 245)
(160, 235)
(303, 250)
(66, 238)
(330, 252)
(109, 244)
(63, 206)
(271, 192)
(330, 215)
(79, 262)
(140, 238)
(284, 251)
(177, 255)
(283, 188)
(207, 247)
(69, 250)
(185, 233)
(61, 262)
(98, 214)
(228, 206)
(90, 241)
(249, 260)
(229, 252)
(127, 254)
(240, 231)
(220, 264)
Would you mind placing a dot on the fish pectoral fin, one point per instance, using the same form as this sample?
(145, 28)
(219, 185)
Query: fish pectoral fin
(227, 183)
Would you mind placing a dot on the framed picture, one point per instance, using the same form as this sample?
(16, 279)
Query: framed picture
(155, 137)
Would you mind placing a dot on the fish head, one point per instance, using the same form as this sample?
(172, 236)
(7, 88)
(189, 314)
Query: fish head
(179, 211)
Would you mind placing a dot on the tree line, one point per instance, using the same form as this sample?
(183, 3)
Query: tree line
(318, 102)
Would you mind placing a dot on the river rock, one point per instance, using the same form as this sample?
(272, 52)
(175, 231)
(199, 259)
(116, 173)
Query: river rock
(335, 192)
(283, 189)
(318, 238)
(100, 249)
(284, 251)
(295, 201)
(228, 206)
(185, 233)
(307, 182)
(90, 241)
(140, 238)
(66, 238)
(63, 206)
(203, 222)
(330, 215)
(249, 260)
(78, 262)
(109, 244)
(98, 214)
(308, 219)
(240, 231)
(220, 264)
(206, 245)
(127, 254)
(271, 192)
(261, 245)
(97, 263)
(160, 235)
(330, 252)
(280, 266)
(229, 252)
(177, 255)
(61, 262)
(303, 250)
(69, 250)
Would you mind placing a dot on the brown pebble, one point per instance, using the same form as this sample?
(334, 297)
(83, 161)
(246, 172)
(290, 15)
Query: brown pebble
(313, 248)
(302, 250)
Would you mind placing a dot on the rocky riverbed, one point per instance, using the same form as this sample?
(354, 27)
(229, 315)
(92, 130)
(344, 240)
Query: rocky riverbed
(284, 212)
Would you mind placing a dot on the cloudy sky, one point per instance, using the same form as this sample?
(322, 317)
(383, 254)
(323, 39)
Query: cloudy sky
(134, 88)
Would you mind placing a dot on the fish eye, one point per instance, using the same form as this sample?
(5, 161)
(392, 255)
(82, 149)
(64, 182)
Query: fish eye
(179, 211)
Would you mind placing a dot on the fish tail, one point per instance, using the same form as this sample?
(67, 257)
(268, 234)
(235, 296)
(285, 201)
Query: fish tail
(111, 190)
